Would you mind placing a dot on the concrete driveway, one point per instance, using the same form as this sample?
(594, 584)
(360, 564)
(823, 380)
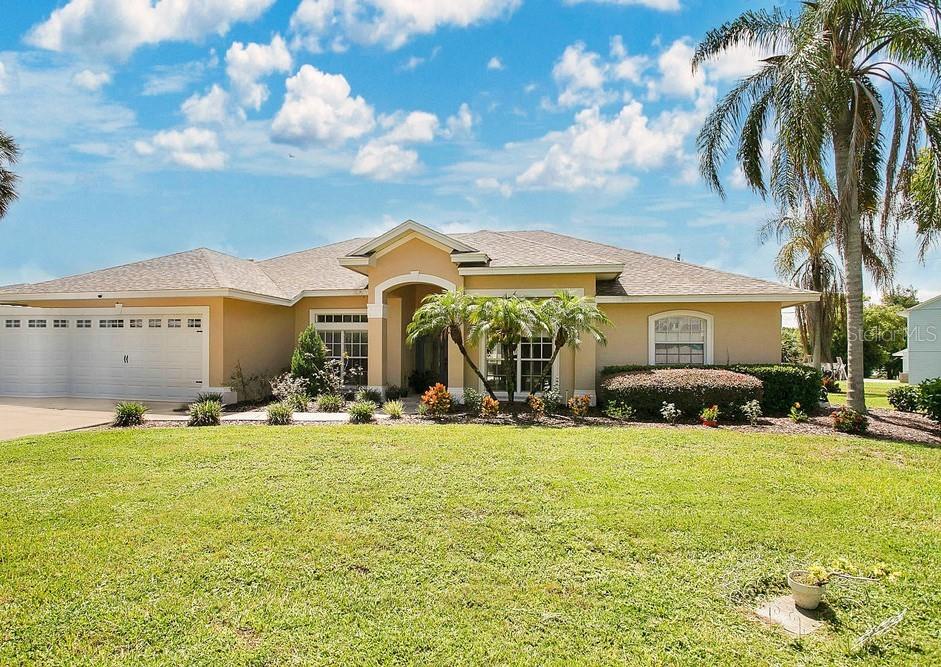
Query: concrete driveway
(35, 416)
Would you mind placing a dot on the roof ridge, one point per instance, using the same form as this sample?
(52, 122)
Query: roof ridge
(601, 260)
(211, 265)
(316, 247)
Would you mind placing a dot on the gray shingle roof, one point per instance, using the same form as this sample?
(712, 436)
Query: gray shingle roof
(287, 276)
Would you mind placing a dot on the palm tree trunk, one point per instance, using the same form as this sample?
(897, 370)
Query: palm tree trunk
(818, 334)
(509, 361)
(459, 341)
(848, 194)
(558, 342)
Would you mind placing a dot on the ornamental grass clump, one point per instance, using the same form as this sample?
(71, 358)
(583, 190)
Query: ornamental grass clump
(205, 413)
(280, 414)
(395, 409)
(129, 414)
(330, 403)
(361, 412)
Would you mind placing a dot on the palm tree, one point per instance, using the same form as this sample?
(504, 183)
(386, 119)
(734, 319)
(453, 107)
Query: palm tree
(806, 236)
(9, 153)
(448, 314)
(503, 322)
(566, 317)
(840, 102)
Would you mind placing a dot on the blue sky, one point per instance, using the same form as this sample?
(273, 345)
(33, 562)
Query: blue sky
(259, 127)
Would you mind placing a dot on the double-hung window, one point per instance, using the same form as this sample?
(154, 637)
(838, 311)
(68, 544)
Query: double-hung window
(680, 339)
(533, 355)
(347, 339)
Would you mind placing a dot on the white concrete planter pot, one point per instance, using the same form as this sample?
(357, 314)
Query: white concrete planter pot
(805, 595)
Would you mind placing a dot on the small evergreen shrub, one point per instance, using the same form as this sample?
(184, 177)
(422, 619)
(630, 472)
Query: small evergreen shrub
(752, 412)
(330, 403)
(579, 405)
(489, 407)
(308, 360)
(552, 398)
(280, 414)
(619, 411)
(670, 413)
(368, 394)
(904, 398)
(129, 414)
(394, 409)
(930, 398)
(361, 412)
(438, 400)
(473, 401)
(847, 420)
(394, 392)
(205, 413)
(536, 406)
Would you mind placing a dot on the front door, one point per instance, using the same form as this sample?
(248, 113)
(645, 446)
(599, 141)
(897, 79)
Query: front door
(431, 359)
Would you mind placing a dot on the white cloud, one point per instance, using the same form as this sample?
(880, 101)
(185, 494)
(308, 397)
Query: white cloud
(390, 23)
(416, 127)
(735, 63)
(90, 80)
(318, 108)
(384, 161)
(490, 183)
(581, 75)
(412, 63)
(193, 147)
(3, 78)
(164, 79)
(118, 27)
(246, 64)
(625, 67)
(495, 64)
(663, 5)
(213, 107)
(593, 150)
(460, 124)
(677, 78)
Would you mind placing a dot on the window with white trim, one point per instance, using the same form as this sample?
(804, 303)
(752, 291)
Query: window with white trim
(341, 318)
(680, 339)
(154, 323)
(60, 324)
(532, 357)
(37, 324)
(347, 339)
(83, 324)
(110, 324)
(12, 324)
(194, 322)
(136, 323)
(174, 323)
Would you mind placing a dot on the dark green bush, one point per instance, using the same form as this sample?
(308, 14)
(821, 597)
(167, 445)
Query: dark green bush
(129, 414)
(361, 412)
(847, 420)
(308, 360)
(904, 398)
(367, 394)
(784, 384)
(689, 389)
(930, 398)
(205, 413)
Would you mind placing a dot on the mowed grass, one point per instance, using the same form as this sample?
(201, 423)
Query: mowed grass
(876, 391)
(455, 545)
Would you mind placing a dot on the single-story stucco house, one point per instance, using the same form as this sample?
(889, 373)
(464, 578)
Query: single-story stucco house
(170, 327)
(922, 358)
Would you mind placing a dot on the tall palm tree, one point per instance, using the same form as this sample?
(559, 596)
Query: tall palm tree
(503, 322)
(840, 101)
(9, 153)
(807, 236)
(566, 317)
(449, 314)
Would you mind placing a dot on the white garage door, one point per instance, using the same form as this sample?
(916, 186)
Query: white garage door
(100, 353)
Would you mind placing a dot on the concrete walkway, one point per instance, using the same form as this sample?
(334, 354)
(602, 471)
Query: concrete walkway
(34, 416)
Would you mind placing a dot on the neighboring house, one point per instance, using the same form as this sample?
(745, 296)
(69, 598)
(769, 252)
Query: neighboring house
(922, 358)
(172, 326)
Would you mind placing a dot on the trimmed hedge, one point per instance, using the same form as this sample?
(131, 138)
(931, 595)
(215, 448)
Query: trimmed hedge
(690, 389)
(784, 384)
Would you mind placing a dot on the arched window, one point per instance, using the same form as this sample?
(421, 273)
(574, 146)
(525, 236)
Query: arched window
(680, 337)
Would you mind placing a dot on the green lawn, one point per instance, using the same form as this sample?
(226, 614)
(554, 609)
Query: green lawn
(455, 545)
(875, 393)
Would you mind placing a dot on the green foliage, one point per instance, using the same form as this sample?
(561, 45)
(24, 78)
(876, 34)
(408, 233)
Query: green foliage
(687, 388)
(308, 360)
(419, 381)
(752, 411)
(930, 398)
(473, 401)
(829, 384)
(670, 412)
(394, 392)
(503, 322)
(129, 414)
(552, 398)
(292, 390)
(900, 296)
(361, 412)
(205, 413)
(798, 415)
(791, 350)
(847, 420)
(209, 396)
(369, 394)
(280, 414)
(904, 398)
(9, 154)
(330, 403)
(620, 411)
(710, 414)
(395, 409)
(885, 331)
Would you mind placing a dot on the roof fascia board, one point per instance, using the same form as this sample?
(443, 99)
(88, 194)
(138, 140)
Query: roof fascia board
(788, 299)
(470, 257)
(146, 294)
(411, 226)
(605, 269)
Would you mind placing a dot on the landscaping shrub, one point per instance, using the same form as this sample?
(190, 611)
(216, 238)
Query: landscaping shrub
(904, 398)
(419, 381)
(394, 409)
(552, 398)
(209, 396)
(394, 392)
(752, 412)
(847, 420)
(280, 414)
(489, 407)
(308, 359)
(798, 415)
(620, 411)
(579, 405)
(536, 406)
(829, 383)
(473, 401)
(129, 414)
(205, 413)
(783, 384)
(710, 415)
(670, 413)
(361, 412)
(930, 398)
(330, 403)
(689, 389)
(369, 394)
(438, 400)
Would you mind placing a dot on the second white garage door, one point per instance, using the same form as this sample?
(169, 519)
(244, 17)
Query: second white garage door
(100, 353)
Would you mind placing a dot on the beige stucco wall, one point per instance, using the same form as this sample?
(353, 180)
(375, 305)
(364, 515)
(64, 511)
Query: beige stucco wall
(411, 256)
(743, 332)
(569, 281)
(303, 307)
(258, 336)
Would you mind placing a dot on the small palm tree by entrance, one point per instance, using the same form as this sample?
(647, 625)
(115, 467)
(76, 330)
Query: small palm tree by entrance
(503, 322)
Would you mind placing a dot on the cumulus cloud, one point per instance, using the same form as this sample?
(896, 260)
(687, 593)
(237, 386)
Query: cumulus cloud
(493, 184)
(460, 124)
(246, 64)
(318, 108)
(495, 64)
(118, 27)
(213, 107)
(677, 78)
(3, 78)
(580, 75)
(390, 23)
(89, 80)
(385, 157)
(193, 147)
